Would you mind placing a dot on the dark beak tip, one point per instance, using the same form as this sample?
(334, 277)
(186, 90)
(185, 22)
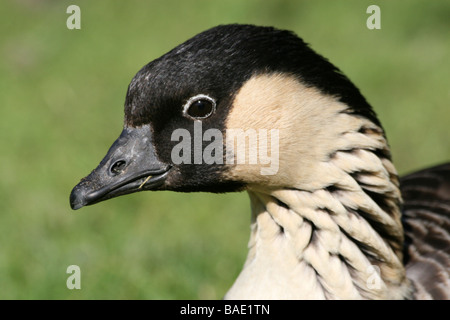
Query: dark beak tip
(76, 206)
(77, 198)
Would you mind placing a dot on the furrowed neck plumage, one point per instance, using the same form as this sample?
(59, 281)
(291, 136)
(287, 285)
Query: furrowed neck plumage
(335, 233)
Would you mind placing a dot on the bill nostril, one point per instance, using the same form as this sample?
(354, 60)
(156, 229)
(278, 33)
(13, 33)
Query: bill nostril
(117, 167)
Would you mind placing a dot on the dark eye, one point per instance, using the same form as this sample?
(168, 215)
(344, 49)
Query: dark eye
(199, 107)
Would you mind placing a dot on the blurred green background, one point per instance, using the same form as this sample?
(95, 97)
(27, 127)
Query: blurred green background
(61, 98)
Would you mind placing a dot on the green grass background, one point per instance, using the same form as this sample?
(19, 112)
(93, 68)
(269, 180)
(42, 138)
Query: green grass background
(61, 102)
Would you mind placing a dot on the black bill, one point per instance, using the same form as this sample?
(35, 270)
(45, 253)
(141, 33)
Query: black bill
(131, 165)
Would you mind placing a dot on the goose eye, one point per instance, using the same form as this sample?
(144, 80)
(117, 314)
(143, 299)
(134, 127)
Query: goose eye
(199, 107)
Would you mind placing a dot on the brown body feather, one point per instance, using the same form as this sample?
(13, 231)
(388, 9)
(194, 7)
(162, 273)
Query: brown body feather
(426, 217)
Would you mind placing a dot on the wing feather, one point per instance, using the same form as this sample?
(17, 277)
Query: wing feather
(426, 218)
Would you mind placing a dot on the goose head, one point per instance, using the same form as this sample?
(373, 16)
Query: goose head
(235, 77)
(241, 107)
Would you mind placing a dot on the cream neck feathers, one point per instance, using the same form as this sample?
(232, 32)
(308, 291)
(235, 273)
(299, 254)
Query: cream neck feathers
(334, 230)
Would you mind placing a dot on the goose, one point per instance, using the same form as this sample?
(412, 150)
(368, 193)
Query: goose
(254, 108)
